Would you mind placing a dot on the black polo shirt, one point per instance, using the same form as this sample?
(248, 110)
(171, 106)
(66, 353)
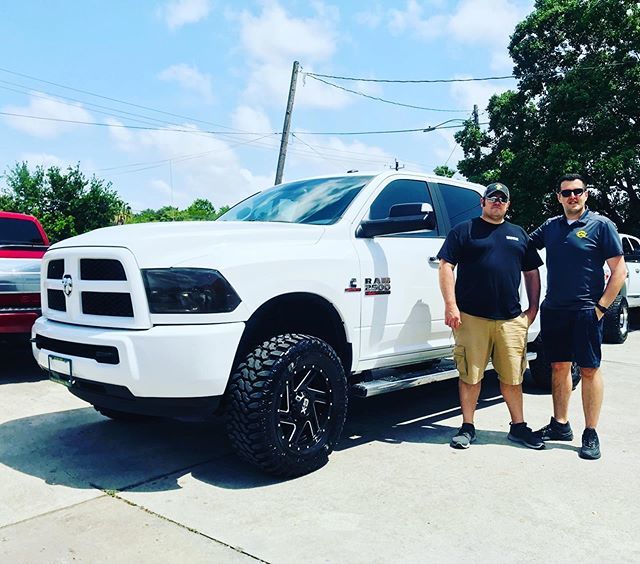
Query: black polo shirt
(576, 254)
(490, 259)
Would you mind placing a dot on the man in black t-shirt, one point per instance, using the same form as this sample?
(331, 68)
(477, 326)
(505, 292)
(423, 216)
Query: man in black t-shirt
(482, 307)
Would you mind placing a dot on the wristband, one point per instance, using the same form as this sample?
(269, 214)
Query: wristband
(602, 308)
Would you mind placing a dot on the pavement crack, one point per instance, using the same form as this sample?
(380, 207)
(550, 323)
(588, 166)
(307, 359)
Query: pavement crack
(239, 550)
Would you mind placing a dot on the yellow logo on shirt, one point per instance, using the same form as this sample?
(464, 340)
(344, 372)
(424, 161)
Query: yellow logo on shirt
(582, 234)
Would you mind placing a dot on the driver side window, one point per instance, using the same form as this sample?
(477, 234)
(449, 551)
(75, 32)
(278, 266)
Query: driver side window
(402, 192)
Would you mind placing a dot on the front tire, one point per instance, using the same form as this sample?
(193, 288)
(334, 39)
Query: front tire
(616, 322)
(287, 403)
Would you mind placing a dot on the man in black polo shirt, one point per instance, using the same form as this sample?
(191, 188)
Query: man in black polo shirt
(482, 306)
(578, 243)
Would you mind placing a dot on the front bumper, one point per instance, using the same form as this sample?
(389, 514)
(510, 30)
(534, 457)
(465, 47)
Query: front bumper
(171, 362)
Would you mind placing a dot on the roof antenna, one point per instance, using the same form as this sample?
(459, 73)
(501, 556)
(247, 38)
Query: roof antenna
(397, 165)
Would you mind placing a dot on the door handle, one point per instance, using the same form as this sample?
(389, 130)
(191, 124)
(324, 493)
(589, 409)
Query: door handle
(434, 260)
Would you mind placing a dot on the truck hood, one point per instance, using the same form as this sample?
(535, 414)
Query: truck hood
(170, 243)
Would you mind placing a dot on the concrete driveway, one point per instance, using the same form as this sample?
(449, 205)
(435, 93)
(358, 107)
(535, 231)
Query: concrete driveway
(76, 487)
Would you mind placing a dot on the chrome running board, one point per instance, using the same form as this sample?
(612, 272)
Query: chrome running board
(394, 379)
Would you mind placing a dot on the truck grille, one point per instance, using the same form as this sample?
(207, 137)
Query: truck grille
(55, 269)
(101, 269)
(55, 298)
(95, 286)
(107, 303)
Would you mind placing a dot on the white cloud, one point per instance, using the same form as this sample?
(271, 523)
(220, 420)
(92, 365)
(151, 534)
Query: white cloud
(311, 155)
(44, 160)
(180, 12)
(123, 137)
(247, 118)
(202, 166)
(466, 94)
(189, 78)
(272, 39)
(274, 35)
(43, 106)
(486, 23)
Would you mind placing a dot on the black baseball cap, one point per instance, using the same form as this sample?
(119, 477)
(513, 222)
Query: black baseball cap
(496, 187)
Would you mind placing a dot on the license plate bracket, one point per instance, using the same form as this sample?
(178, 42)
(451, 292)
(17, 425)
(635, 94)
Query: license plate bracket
(61, 370)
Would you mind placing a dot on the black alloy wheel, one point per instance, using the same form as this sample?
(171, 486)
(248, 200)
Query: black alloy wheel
(305, 407)
(286, 405)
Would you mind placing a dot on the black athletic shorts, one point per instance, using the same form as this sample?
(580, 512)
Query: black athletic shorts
(572, 336)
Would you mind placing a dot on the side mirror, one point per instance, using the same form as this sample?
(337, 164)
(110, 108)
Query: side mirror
(402, 218)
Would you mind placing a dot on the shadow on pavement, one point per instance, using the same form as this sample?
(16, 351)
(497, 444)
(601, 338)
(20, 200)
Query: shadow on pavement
(81, 449)
(17, 364)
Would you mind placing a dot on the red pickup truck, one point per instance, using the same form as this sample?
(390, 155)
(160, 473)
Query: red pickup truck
(23, 242)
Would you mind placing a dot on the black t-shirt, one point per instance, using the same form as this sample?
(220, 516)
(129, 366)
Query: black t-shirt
(490, 259)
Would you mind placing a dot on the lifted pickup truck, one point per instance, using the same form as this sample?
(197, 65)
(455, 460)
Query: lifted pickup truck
(296, 298)
(23, 242)
(616, 322)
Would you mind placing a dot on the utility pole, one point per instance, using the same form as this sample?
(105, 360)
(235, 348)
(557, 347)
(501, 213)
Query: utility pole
(476, 122)
(287, 123)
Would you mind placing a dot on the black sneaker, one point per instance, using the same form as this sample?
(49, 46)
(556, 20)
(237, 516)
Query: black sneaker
(555, 431)
(590, 445)
(520, 433)
(464, 437)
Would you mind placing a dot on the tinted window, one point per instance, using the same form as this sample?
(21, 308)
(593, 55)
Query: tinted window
(635, 245)
(401, 192)
(320, 201)
(15, 231)
(626, 246)
(461, 203)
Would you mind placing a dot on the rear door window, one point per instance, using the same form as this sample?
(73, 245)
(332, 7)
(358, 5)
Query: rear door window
(461, 203)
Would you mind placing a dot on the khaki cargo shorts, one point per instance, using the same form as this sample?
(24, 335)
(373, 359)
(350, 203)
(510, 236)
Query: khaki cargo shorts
(503, 341)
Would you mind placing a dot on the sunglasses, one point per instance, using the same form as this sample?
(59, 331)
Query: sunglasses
(575, 192)
(497, 199)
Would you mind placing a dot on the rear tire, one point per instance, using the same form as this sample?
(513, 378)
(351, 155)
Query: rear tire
(616, 322)
(287, 403)
(540, 368)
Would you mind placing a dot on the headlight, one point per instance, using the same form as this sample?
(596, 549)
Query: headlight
(188, 290)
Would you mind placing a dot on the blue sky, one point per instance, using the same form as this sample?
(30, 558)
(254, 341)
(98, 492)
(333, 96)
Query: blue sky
(218, 71)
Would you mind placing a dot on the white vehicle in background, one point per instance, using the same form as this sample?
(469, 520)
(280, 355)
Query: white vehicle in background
(616, 321)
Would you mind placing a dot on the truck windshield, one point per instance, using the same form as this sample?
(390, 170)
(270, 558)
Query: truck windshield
(15, 231)
(320, 201)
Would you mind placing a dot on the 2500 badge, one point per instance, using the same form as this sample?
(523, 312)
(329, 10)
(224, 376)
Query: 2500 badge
(377, 286)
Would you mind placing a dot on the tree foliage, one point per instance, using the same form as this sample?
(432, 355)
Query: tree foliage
(65, 202)
(575, 110)
(444, 170)
(200, 210)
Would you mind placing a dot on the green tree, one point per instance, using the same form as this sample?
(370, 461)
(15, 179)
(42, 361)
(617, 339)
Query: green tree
(575, 110)
(444, 170)
(200, 210)
(66, 203)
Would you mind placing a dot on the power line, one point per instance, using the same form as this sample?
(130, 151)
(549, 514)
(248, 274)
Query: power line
(390, 131)
(449, 80)
(418, 81)
(140, 106)
(145, 128)
(378, 99)
(209, 132)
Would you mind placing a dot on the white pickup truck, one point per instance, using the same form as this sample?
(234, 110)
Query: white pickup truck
(296, 298)
(616, 322)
